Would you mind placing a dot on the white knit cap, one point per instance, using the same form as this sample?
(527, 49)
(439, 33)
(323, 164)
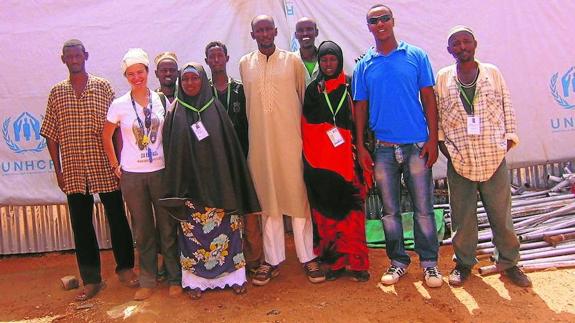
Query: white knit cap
(457, 29)
(134, 56)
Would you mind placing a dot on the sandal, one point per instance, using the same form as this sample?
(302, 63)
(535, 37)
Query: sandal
(128, 278)
(90, 290)
(195, 293)
(240, 289)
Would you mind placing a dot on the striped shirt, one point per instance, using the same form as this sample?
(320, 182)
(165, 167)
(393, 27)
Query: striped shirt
(476, 157)
(77, 124)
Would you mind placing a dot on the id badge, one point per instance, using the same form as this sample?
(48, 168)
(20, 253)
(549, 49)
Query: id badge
(335, 137)
(473, 125)
(199, 130)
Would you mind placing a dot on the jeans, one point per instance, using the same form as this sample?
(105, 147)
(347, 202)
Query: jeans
(81, 208)
(391, 162)
(496, 198)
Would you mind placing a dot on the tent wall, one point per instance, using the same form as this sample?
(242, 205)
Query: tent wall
(527, 39)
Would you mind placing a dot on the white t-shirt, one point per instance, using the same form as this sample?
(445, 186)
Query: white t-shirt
(135, 155)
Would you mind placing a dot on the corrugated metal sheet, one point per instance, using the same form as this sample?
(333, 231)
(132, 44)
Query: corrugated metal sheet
(535, 176)
(44, 228)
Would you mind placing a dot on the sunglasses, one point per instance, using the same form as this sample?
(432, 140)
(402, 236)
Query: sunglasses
(382, 18)
(148, 119)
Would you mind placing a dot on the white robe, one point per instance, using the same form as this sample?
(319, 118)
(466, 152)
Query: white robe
(274, 89)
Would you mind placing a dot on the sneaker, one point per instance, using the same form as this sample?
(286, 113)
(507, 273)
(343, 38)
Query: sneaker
(459, 275)
(432, 277)
(313, 272)
(264, 274)
(392, 275)
(359, 275)
(332, 275)
(518, 277)
(252, 269)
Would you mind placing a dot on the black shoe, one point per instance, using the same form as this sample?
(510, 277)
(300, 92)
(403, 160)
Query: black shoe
(459, 275)
(334, 274)
(360, 275)
(518, 277)
(313, 272)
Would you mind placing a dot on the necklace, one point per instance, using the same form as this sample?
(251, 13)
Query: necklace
(469, 85)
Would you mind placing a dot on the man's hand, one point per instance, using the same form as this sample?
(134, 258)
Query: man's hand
(118, 171)
(509, 144)
(429, 149)
(444, 151)
(366, 164)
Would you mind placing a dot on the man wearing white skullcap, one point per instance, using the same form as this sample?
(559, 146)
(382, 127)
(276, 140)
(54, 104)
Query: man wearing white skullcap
(476, 129)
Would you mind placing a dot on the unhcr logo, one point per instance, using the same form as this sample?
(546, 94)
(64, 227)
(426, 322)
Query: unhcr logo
(23, 134)
(562, 88)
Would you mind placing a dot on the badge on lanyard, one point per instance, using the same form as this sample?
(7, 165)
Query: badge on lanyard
(145, 140)
(333, 133)
(150, 157)
(199, 130)
(473, 125)
(335, 137)
(198, 127)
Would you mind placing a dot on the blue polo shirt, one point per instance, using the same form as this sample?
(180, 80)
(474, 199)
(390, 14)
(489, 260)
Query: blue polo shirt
(391, 84)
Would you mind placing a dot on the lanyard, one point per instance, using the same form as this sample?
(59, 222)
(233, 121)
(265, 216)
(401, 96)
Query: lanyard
(145, 130)
(194, 109)
(136, 111)
(338, 105)
(227, 96)
(466, 98)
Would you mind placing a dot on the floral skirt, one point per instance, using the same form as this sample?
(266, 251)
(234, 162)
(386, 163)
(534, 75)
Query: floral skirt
(211, 247)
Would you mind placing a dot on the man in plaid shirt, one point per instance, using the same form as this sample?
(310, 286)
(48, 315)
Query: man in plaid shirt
(476, 128)
(74, 120)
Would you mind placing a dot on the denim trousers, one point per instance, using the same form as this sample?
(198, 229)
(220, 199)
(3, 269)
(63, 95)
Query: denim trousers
(496, 197)
(391, 162)
(81, 208)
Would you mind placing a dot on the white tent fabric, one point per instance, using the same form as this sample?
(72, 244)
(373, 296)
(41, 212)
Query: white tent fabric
(529, 40)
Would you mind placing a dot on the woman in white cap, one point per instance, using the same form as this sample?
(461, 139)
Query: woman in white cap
(140, 166)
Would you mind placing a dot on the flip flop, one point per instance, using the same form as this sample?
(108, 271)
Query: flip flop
(128, 278)
(195, 293)
(240, 289)
(90, 290)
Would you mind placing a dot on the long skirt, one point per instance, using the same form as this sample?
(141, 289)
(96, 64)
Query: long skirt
(211, 250)
(342, 242)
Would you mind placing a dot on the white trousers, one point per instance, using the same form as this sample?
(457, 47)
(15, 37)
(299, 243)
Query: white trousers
(274, 239)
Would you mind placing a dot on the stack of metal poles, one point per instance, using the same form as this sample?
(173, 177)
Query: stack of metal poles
(544, 222)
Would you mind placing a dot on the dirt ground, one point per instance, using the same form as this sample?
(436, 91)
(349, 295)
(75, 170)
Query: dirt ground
(30, 291)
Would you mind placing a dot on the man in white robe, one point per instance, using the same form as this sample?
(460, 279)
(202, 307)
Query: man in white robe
(274, 84)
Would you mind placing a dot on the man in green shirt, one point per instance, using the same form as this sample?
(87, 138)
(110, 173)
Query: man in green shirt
(305, 32)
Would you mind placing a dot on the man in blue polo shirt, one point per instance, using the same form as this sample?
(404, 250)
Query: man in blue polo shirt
(389, 81)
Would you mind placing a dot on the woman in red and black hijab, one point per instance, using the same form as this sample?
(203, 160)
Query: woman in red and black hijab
(334, 189)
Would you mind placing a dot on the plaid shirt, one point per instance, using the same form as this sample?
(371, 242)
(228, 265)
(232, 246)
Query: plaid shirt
(77, 124)
(476, 157)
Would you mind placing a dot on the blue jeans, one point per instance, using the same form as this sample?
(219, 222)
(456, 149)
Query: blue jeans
(390, 164)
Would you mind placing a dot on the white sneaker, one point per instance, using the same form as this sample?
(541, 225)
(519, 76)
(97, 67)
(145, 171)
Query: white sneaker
(432, 277)
(392, 275)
